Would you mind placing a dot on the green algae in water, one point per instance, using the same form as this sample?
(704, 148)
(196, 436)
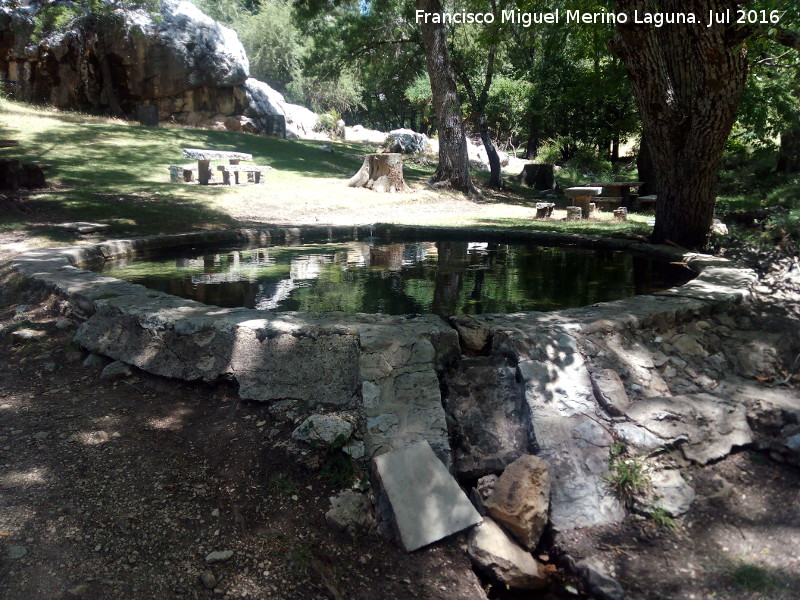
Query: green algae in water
(443, 277)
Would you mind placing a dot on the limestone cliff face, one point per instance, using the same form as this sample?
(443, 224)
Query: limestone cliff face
(186, 64)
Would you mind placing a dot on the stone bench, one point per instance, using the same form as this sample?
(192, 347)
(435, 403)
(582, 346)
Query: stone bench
(646, 202)
(605, 202)
(582, 197)
(544, 209)
(179, 173)
(253, 171)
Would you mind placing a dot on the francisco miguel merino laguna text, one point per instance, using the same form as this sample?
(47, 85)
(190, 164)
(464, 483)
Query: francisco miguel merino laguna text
(657, 19)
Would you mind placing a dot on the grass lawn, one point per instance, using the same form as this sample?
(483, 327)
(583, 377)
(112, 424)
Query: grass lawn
(114, 172)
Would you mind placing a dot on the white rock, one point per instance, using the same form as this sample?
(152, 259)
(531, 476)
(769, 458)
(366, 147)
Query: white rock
(493, 552)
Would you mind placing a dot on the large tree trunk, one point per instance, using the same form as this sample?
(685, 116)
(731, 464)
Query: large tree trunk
(687, 80)
(647, 173)
(453, 162)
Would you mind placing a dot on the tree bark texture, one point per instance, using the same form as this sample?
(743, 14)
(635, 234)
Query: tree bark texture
(381, 173)
(478, 102)
(453, 166)
(647, 173)
(687, 81)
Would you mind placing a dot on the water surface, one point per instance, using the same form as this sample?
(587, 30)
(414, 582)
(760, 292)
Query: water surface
(444, 277)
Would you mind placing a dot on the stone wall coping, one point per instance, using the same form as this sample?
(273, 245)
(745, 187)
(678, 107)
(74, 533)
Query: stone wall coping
(719, 280)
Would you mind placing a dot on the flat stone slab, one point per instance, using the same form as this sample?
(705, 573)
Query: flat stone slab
(83, 227)
(202, 154)
(574, 192)
(426, 501)
(244, 168)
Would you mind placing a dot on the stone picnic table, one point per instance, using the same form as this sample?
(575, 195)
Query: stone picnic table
(617, 189)
(204, 158)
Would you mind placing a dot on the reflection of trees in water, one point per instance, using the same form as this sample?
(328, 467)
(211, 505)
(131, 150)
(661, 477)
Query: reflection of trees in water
(450, 268)
(443, 277)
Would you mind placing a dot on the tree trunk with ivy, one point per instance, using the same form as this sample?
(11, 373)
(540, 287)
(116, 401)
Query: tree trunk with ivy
(453, 168)
(687, 81)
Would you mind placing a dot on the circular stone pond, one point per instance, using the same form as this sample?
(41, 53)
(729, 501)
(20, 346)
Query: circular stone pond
(442, 274)
(398, 375)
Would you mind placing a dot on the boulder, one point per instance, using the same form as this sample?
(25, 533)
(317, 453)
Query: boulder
(759, 357)
(669, 492)
(521, 499)
(598, 582)
(473, 334)
(494, 553)
(687, 345)
(564, 425)
(116, 370)
(177, 60)
(178, 64)
(406, 141)
(477, 155)
(351, 513)
(324, 429)
(266, 103)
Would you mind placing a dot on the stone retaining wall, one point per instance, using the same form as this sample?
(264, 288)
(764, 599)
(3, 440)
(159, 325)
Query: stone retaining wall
(387, 369)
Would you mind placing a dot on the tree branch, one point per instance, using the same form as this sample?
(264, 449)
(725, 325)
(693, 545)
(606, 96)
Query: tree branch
(784, 37)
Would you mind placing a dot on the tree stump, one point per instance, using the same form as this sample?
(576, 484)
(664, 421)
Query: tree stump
(381, 173)
(14, 175)
(621, 214)
(574, 213)
(538, 176)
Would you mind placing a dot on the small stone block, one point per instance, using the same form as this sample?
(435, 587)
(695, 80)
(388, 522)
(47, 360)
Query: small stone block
(426, 501)
(574, 213)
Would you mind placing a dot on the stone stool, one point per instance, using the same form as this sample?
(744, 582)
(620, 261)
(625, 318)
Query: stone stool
(574, 213)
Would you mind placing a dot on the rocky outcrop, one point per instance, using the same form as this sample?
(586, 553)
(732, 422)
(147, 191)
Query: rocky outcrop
(184, 62)
(191, 68)
(266, 103)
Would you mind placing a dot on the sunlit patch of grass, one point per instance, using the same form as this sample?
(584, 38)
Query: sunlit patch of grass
(115, 172)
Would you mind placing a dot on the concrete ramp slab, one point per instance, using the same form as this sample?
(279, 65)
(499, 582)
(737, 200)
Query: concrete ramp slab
(427, 503)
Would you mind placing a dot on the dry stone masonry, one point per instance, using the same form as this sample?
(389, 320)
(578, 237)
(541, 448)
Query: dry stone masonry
(537, 399)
